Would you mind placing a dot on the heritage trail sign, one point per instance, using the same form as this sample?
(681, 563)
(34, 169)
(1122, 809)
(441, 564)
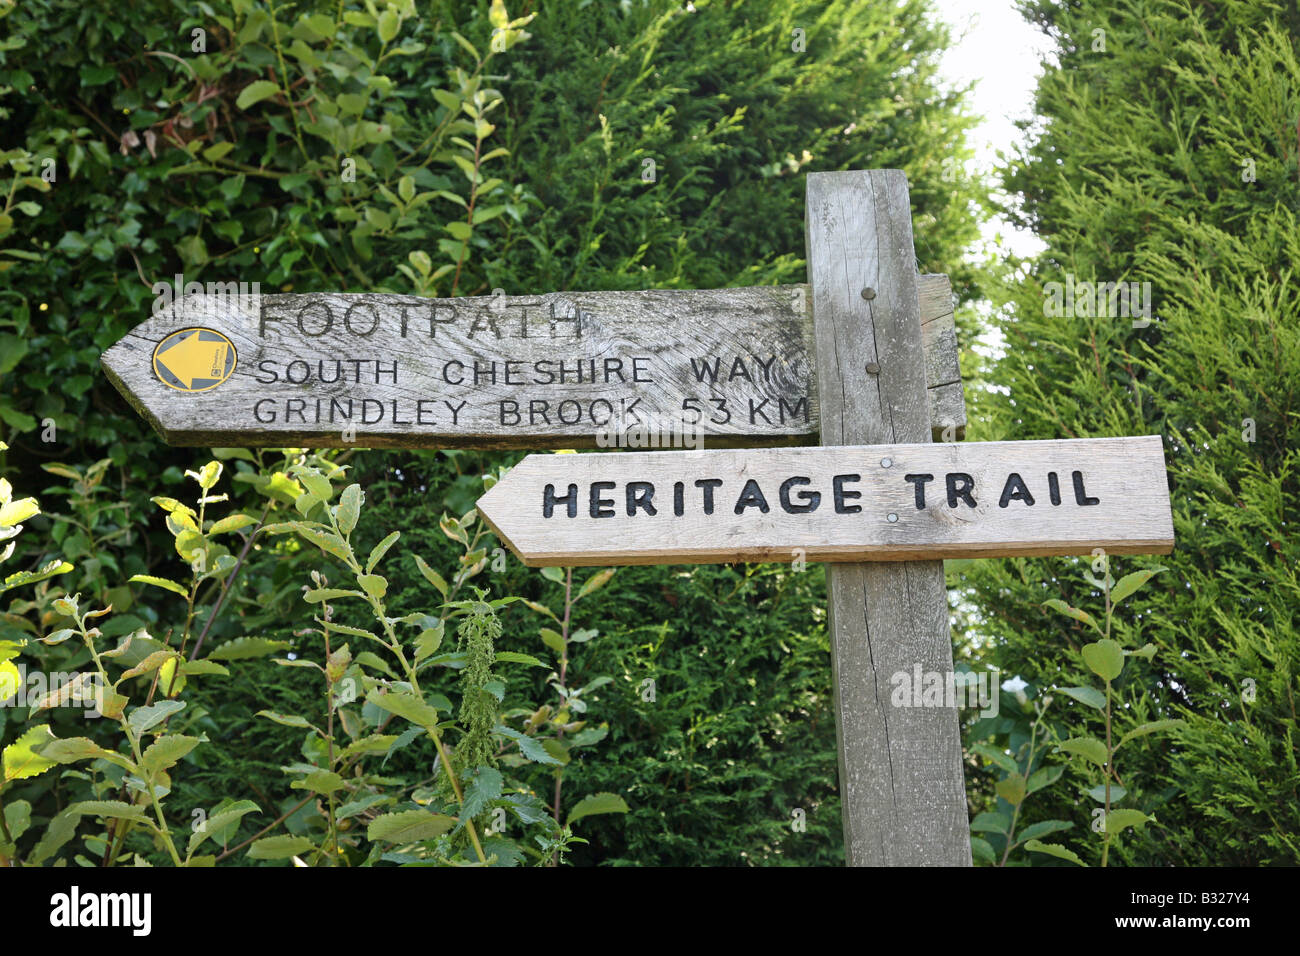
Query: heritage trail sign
(864, 356)
(847, 503)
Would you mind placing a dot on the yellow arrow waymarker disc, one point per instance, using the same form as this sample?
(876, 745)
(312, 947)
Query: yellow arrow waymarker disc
(194, 360)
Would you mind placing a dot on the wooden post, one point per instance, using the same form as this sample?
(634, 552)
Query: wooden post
(901, 786)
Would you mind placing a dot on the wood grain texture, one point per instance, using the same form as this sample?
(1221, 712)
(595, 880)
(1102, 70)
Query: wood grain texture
(902, 792)
(681, 507)
(727, 366)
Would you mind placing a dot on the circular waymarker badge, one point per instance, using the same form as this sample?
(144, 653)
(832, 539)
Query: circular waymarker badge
(194, 360)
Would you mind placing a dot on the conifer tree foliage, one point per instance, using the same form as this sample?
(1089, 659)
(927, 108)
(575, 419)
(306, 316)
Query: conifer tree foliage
(664, 144)
(1165, 152)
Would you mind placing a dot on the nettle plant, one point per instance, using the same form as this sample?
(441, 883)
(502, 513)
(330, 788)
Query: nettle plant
(134, 684)
(463, 815)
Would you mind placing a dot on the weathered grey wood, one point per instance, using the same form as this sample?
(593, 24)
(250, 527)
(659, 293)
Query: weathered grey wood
(404, 366)
(647, 508)
(901, 786)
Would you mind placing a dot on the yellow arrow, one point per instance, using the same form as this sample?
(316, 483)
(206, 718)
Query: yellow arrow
(194, 359)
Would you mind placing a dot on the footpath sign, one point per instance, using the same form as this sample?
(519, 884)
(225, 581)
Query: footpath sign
(571, 370)
(864, 358)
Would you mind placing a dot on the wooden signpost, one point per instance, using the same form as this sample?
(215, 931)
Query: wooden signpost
(848, 503)
(864, 356)
(545, 371)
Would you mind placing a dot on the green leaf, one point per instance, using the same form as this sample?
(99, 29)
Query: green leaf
(320, 595)
(428, 642)
(597, 803)
(595, 583)
(21, 759)
(1056, 604)
(232, 523)
(220, 821)
(409, 826)
(16, 512)
(142, 718)
(159, 583)
(530, 747)
(323, 782)
(1098, 793)
(1119, 820)
(510, 657)
(255, 92)
(484, 787)
(243, 648)
(166, 751)
(405, 704)
(1088, 747)
(432, 576)
(388, 24)
(72, 749)
(1035, 830)
(995, 755)
(1086, 695)
(116, 809)
(1152, 727)
(1130, 583)
(554, 640)
(1054, 849)
(1011, 788)
(1105, 658)
(288, 720)
(981, 851)
(379, 550)
(279, 847)
(349, 509)
(375, 585)
(553, 574)
(1044, 777)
